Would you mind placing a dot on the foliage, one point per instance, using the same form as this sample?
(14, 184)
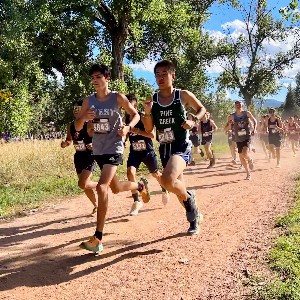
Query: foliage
(290, 107)
(291, 11)
(247, 66)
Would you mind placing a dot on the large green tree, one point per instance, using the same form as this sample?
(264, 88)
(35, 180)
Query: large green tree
(258, 75)
(290, 107)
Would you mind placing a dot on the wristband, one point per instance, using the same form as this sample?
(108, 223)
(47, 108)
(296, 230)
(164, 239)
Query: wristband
(147, 115)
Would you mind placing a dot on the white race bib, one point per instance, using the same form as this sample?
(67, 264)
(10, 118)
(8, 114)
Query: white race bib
(139, 145)
(242, 132)
(79, 145)
(166, 136)
(206, 134)
(101, 126)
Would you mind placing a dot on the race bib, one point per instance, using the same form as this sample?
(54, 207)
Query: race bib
(101, 126)
(139, 145)
(242, 132)
(293, 132)
(206, 134)
(273, 130)
(230, 137)
(166, 136)
(79, 145)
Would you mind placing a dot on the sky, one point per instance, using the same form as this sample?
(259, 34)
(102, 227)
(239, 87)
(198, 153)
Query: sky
(224, 16)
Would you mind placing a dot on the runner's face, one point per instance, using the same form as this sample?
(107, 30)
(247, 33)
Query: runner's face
(164, 78)
(99, 81)
(76, 110)
(271, 113)
(238, 105)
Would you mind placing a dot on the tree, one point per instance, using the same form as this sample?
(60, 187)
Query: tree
(297, 89)
(291, 11)
(259, 75)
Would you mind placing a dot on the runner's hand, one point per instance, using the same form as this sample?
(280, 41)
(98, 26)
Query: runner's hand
(64, 144)
(188, 124)
(123, 130)
(148, 106)
(89, 146)
(135, 130)
(89, 115)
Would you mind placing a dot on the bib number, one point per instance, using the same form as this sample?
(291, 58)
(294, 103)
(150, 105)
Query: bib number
(139, 145)
(206, 134)
(79, 145)
(242, 132)
(166, 136)
(101, 126)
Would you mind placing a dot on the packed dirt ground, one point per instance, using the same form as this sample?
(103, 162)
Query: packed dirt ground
(150, 256)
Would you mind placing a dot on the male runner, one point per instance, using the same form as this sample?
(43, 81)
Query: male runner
(240, 118)
(102, 109)
(166, 110)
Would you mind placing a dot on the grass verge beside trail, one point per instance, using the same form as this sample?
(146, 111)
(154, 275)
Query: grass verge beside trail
(285, 258)
(34, 173)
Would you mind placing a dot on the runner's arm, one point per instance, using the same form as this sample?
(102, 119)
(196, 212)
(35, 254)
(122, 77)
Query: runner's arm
(130, 110)
(214, 126)
(147, 118)
(84, 115)
(189, 99)
(250, 116)
(68, 140)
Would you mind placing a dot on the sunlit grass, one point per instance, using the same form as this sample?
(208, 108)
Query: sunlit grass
(285, 258)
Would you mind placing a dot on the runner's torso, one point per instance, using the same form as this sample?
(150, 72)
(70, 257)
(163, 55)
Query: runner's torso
(80, 138)
(241, 127)
(206, 129)
(168, 120)
(139, 142)
(106, 124)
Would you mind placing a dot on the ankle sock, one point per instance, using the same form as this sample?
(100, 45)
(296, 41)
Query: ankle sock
(98, 235)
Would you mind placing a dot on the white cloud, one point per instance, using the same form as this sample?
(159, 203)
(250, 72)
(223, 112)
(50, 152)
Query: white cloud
(146, 65)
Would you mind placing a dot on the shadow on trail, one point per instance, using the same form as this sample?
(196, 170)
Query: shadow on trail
(42, 269)
(16, 235)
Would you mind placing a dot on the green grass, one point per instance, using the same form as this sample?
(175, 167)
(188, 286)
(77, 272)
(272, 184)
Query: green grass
(285, 258)
(34, 173)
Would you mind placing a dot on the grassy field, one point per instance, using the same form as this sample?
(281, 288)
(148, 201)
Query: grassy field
(285, 258)
(35, 173)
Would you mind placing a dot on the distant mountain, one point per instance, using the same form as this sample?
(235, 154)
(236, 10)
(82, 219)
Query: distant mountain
(270, 103)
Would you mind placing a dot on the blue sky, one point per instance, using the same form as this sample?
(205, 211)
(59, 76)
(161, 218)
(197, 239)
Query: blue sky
(219, 16)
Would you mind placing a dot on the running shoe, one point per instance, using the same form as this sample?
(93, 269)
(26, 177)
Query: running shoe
(165, 198)
(191, 207)
(234, 162)
(192, 163)
(194, 226)
(201, 153)
(248, 177)
(93, 244)
(251, 166)
(136, 206)
(278, 166)
(145, 194)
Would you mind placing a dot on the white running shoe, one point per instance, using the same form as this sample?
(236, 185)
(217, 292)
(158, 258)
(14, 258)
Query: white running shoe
(136, 206)
(165, 198)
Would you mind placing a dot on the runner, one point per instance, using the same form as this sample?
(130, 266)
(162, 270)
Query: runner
(293, 133)
(166, 110)
(102, 109)
(229, 130)
(83, 159)
(263, 136)
(141, 150)
(207, 127)
(195, 139)
(243, 135)
(274, 127)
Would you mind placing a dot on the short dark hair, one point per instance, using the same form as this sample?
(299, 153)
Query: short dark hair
(103, 69)
(78, 102)
(165, 63)
(131, 97)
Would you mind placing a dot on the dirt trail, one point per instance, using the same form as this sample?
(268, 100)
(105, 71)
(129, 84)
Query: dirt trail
(40, 257)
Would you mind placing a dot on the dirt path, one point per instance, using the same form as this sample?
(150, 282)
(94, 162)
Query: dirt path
(40, 257)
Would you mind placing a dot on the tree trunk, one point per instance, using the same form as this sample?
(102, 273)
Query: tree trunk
(118, 39)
